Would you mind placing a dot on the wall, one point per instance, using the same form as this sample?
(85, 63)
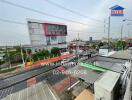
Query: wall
(36, 33)
(128, 92)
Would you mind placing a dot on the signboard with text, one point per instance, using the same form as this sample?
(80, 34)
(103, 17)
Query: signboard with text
(117, 11)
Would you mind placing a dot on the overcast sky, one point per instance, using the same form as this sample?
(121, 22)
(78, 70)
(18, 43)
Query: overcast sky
(11, 33)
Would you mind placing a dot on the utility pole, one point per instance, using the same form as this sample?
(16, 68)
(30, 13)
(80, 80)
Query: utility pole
(104, 26)
(109, 35)
(121, 36)
(122, 33)
(8, 57)
(78, 44)
(77, 48)
(122, 30)
(22, 55)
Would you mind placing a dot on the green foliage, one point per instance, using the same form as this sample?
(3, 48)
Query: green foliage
(93, 46)
(118, 45)
(35, 57)
(29, 51)
(2, 62)
(45, 54)
(100, 44)
(55, 51)
(28, 59)
(121, 44)
(7, 70)
(113, 45)
(15, 56)
(18, 48)
(70, 51)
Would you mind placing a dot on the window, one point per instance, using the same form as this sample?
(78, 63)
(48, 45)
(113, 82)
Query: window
(56, 29)
(53, 38)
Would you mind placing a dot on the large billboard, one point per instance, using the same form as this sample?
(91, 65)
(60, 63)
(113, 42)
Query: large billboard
(55, 29)
(46, 33)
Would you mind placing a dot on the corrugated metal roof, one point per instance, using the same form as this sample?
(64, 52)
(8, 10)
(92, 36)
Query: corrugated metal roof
(117, 67)
(89, 75)
(40, 91)
(126, 54)
(108, 80)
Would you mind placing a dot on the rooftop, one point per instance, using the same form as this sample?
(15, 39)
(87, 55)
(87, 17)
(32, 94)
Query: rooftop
(85, 95)
(126, 54)
(90, 76)
(40, 91)
(42, 21)
(116, 67)
(105, 82)
(109, 63)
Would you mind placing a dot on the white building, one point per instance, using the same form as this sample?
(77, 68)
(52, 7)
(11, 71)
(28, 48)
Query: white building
(46, 34)
(107, 86)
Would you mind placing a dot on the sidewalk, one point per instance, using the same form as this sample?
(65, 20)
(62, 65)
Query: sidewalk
(55, 59)
(35, 64)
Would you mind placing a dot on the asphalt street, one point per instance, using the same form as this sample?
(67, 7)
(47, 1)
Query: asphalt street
(19, 82)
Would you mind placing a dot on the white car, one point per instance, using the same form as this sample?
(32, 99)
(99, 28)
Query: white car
(67, 62)
(64, 61)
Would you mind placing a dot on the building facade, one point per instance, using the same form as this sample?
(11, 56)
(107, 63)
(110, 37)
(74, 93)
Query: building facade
(46, 34)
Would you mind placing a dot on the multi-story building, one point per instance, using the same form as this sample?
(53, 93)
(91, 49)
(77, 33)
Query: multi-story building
(90, 39)
(47, 35)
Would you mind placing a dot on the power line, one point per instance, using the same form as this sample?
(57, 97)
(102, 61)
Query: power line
(72, 11)
(40, 12)
(78, 31)
(21, 23)
(10, 21)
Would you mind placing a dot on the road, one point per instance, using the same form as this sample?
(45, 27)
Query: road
(17, 86)
(40, 91)
(12, 80)
(18, 81)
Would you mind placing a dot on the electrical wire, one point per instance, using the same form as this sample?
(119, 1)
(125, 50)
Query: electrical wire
(72, 11)
(43, 13)
(21, 23)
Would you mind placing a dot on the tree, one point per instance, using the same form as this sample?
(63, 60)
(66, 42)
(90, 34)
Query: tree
(35, 57)
(100, 44)
(45, 53)
(18, 49)
(113, 45)
(93, 46)
(70, 51)
(55, 51)
(29, 51)
(121, 44)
